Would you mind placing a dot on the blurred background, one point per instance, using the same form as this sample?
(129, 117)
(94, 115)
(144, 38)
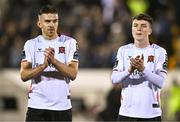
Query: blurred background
(100, 27)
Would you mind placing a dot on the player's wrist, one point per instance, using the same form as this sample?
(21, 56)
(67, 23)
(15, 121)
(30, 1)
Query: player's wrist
(129, 70)
(43, 66)
(142, 69)
(54, 61)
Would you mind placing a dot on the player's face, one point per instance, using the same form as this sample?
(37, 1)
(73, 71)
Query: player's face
(141, 30)
(49, 25)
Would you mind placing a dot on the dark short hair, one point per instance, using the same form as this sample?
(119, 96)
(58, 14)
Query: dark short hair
(48, 9)
(145, 17)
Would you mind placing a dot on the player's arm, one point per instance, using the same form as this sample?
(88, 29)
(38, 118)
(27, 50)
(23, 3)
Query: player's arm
(159, 76)
(118, 74)
(69, 70)
(27, 72)
(157, 79)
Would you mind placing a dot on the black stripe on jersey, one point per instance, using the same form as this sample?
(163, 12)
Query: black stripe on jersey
(24, 61)
(116, 63)
(76, 55)
(115, 70)
(75, 61)
(23, 55)
(165, 64)
(163, 71)
(155, 105)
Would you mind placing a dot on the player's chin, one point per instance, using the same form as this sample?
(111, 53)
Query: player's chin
(51, 34)
(139, 38)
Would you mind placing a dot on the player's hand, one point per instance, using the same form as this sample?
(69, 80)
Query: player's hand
(137, 63)
(49, 53)
(131, 68)
(46, 63)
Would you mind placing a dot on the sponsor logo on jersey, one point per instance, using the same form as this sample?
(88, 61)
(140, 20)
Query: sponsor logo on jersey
(39, 49)
(150, 58)
(129, 57)
(62, 50)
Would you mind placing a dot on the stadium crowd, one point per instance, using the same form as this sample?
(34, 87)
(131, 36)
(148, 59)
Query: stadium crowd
(99, 26)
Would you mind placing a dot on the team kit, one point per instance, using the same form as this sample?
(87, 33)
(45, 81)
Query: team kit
(51, 62)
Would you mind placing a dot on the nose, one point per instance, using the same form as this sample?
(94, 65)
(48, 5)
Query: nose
(139, 28)
(51, 24)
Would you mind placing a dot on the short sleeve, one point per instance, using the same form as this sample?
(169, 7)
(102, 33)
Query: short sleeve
(162, 63)
(118, 66)
(73, 51)
(26, 54)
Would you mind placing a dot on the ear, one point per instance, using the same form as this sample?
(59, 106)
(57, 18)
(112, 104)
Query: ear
(150, 31)
(38, 24)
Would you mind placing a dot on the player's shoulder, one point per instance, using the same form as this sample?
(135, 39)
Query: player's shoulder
(158, 48)
(66, 38)
(125, 47)
(32, 41)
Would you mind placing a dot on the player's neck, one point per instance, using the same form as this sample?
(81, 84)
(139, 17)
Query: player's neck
(50, 37)
(141, 43)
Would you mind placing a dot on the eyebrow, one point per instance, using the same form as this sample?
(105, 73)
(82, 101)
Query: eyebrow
(140, 24)
(50, 19)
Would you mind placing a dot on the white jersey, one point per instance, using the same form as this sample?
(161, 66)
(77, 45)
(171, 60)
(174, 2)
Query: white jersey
(50, 90)
(140, 97)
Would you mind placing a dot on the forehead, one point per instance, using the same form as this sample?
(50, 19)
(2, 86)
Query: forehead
(48, 16)
(144, 22)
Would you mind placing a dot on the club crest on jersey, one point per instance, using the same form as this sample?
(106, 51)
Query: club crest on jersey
(150, 58)
(62, 50)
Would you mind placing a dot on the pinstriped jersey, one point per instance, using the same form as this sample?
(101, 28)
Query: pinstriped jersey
(50, 90)
(140, 98)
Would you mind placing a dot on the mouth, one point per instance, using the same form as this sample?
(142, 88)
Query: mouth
(138, 34)
(50, 30)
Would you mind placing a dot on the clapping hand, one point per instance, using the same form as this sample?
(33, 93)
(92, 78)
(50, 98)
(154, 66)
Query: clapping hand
(49, 54)
(137, 63)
